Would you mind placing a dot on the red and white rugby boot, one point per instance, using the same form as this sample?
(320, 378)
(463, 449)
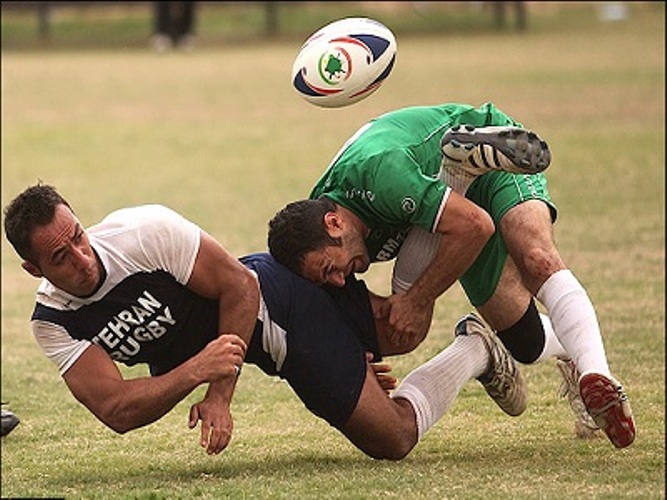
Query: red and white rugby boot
(608, 405)
(584, 426)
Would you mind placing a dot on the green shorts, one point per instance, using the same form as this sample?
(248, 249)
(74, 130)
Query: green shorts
(497, 192)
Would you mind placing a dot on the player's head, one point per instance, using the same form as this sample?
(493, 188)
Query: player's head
(318, 240)
(42, 228)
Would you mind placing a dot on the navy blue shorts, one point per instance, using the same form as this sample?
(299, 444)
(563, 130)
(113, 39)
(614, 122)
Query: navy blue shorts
(327, 333)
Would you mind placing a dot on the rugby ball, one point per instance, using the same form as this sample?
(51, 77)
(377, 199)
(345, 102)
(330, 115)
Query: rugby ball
(344, 62)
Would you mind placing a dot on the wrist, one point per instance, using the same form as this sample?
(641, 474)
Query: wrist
(221, 390)
(417, 298)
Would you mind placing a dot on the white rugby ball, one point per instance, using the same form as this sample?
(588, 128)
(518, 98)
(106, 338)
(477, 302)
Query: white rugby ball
(344, 62)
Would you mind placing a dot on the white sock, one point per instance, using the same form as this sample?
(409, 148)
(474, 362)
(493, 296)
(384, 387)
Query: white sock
(432, 388)
(454, 176)
(574, 321)
(552, 347)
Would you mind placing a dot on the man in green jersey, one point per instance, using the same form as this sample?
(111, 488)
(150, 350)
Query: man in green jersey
(456, 192)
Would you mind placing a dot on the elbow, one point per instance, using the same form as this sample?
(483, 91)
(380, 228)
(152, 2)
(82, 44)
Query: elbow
(110, 413)
(117, 419)
(117, 423)
(119, 429)
(248, 284)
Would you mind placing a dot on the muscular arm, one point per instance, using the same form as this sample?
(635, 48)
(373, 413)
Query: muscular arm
(218, 275)
(123, 405)
(126, 404)
(465, 229)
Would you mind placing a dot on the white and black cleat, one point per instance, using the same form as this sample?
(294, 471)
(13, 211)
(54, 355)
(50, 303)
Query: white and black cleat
(479, 150)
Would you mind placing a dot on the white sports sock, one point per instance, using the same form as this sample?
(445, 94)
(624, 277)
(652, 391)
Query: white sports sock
(574, 321)
(552, 347)
(432, 388)
(454, 176)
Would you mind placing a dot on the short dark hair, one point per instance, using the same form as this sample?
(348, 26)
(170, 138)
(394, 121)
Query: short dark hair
(298, 229)
(34, 207)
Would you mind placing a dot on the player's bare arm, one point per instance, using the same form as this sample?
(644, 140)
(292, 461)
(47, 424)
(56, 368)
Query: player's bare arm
(126, 404)
(465, 229)
(218, 275)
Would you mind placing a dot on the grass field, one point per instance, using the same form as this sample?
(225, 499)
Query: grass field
(219, 135)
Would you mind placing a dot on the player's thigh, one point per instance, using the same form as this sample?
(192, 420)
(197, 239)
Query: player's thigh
(509, 300)
(528, 234)
(380, 426)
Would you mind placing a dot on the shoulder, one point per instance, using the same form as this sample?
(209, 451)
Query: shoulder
(140, 215)
(147, 238)
(144, 220)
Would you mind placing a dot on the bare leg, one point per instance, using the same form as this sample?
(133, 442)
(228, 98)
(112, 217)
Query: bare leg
(390, 427)
(528, 234)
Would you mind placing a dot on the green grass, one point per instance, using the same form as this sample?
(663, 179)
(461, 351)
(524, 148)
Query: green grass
(219, 135)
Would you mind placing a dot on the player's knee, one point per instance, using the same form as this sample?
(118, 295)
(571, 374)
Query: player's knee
(526, 339)
(399, 453)
(541, 262)
(390, 438)
(482, 224)
(396, 447)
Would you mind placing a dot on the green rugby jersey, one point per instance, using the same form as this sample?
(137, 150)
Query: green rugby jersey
(387, 172)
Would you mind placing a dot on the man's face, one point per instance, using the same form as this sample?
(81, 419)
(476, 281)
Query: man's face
(63, 255)
(332, 264)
